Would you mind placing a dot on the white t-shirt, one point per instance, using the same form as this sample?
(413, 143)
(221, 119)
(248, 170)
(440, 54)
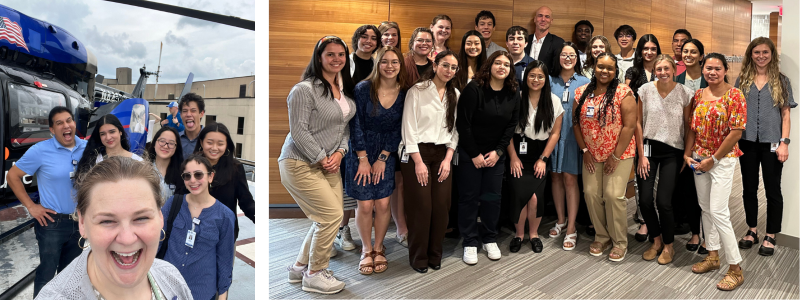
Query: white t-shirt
(542, 134)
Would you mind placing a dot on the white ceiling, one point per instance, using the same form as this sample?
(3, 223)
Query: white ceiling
(764, 7)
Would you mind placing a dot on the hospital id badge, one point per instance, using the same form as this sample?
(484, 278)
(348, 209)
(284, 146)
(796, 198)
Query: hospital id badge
(773, 147)
(404, 156)
(523, 147)
(190, 239)
(646, 148)
(590, 111)
(565, 96)
(455, 158)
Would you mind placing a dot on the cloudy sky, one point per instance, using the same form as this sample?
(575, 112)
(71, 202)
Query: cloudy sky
(120, 35)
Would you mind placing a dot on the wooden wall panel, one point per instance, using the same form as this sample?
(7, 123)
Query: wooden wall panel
(595, 11)
(741, 32)
(410, 14)
(635, 13)
(722, 29)
(699, 21)
(665, 18)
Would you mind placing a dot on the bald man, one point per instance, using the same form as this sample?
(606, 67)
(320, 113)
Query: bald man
(543, 45)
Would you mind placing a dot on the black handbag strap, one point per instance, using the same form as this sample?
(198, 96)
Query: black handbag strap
(177, 202)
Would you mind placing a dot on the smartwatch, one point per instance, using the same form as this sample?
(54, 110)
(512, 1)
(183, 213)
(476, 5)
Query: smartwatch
(785, 141)
(545, 159)
(383, 157)
(585, 150)
(499, 152)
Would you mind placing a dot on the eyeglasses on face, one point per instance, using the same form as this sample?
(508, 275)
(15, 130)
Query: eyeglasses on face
(625, 36)
(198, 175)
(164, 143)
(568, 56)
(424, 41)
(454, 68)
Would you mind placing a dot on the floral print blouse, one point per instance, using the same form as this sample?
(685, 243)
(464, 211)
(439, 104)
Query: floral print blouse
(713, 120)
(602, 140)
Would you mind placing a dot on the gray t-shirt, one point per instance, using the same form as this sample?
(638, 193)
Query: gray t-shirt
(662, 118)
(492, 48)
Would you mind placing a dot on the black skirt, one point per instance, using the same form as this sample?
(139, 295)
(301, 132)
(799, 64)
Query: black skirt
(522, 189)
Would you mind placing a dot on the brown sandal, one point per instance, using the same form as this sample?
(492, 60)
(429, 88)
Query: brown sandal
(370, 265)
(709, 263)
(383, 263)
(732, 280)
(597, 249)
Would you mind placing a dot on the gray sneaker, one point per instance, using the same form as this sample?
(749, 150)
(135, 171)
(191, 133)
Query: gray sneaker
(295, 276)
(344, 239)
(334, 252)
(322, 282)
(402, 239)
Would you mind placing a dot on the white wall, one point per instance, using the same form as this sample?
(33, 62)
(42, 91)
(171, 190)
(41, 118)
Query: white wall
(790, 65)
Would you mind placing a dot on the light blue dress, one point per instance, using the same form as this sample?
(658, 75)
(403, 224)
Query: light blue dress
(566, 157)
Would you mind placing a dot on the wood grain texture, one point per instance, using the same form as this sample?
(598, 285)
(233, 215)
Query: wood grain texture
(699, 20)
(665, 18)
(635, 13)
(741, 32)
(722, 29)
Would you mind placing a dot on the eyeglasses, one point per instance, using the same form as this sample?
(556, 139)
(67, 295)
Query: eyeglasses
(536, 77)
(625, 36)
(164, 143)
(454, 68)
(423, 41)
(198, 175)
(568, 56)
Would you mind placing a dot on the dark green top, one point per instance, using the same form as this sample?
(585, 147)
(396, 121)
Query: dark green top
(682, 80)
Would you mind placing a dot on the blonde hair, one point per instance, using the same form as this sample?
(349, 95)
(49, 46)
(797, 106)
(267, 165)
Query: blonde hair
(375, 77)
(666, 57)
(775, 78)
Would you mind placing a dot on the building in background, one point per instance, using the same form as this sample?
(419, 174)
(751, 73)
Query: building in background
(230, 101)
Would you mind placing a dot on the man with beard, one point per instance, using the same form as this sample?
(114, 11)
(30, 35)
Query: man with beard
(581, 35)
(192, 110)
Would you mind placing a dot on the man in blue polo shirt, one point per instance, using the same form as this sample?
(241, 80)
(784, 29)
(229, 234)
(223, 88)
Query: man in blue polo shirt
(53, 162)
(174, 118)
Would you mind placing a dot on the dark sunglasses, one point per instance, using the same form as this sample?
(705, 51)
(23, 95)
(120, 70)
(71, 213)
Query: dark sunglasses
(198, 175)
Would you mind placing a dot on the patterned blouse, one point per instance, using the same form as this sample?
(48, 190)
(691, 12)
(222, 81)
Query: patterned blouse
(713, 120)
(602, 140)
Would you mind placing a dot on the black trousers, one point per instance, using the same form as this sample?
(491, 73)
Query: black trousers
(663, 222)
(755, 155)
(479, 193)
(685, 196)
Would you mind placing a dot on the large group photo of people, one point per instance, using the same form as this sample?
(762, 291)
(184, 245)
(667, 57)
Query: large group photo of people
(117, 224)
(461, 142)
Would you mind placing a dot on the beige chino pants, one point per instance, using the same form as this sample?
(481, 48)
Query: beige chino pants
(605, 200)
(319, 195)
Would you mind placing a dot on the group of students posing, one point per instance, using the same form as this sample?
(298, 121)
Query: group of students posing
(502, 121)
(116, 225)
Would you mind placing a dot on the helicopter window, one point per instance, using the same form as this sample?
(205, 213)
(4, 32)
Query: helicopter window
(28, 123)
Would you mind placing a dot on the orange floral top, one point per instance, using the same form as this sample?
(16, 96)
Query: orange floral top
(713, 120)
(602, 140)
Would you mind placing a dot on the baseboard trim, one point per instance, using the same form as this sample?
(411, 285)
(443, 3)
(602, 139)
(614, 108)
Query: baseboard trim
(286, 213)
(788, 241)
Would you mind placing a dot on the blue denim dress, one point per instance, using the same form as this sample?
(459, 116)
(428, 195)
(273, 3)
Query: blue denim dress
(566, 157)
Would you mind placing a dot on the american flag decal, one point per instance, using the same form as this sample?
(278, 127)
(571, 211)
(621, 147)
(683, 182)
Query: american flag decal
(12, 32)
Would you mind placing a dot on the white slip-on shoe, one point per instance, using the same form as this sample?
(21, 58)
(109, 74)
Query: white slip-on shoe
(470, 255)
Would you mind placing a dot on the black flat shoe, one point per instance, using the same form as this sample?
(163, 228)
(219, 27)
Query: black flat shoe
(435, 267)
(590, 231)
(692, 247)
(640, 237)
(702, 250)
(767, 251)
(536, 244)
(745, 244)
(421, 270)
(516, 244)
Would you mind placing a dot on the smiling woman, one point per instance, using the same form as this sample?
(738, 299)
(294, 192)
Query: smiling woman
(123, 230)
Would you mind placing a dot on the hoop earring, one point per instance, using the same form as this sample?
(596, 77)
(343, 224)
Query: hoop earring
(86, 245)
(227, 152)
(165, 235)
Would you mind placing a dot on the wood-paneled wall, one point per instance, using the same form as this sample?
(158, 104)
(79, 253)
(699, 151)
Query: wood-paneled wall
(295, 27)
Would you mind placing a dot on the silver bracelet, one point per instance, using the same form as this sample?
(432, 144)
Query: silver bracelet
(614, 156)
(362, 157)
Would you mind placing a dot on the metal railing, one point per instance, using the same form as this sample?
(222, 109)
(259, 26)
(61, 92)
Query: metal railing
(249, 169)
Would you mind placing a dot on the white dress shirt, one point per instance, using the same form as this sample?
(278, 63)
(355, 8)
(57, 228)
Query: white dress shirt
(536, 45)
(541, 134)
(425, 119)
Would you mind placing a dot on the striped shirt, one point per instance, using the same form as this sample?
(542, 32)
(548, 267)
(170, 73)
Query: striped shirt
(764, 119)
(317, 125)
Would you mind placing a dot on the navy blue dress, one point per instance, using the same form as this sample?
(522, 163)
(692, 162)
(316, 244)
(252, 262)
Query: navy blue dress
(373, 129)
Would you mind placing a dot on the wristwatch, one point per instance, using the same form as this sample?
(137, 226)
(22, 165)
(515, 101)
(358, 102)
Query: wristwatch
(545, 159)
(383, 157)
(499, 152)
(785, 141)
(716, 161)
(585, 150)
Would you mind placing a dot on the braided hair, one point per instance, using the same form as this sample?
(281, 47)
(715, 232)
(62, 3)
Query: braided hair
(609, 95)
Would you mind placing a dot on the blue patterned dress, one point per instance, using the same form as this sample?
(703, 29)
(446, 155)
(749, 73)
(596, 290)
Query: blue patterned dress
(373, 129)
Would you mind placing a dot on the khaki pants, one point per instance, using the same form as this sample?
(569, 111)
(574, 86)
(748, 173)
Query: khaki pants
(319, 195)
(605, 200)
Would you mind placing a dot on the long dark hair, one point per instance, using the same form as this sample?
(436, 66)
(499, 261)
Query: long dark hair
(449, 92)
(95, 146)
(173, 174)
(638, 62)
(576, 68)
(463, 59)
(484, 76)
(227, 165)
(712, 55)
(314, 68)
(608, 98)
(544, 110)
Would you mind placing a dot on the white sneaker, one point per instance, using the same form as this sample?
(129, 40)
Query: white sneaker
(471, 255)
(344, 239)
(295, 275)
(322, 282)
(402, 240)
(492, 251)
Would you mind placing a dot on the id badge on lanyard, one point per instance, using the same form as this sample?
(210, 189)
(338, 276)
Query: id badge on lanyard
(523, 146)
(190, 237)
(565, 94)
(773, 147)
(590, 111)
(75, 165)
(404, 156)
(646, 148)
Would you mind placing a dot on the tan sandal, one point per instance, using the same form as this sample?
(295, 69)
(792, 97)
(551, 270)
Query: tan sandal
(597, 249)
(709, 263)
(378, 264)
(732, 280)
(620, 253)
(370, 265)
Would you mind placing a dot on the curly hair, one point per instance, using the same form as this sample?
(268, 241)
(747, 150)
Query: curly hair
(777, 81)
(363, 30)
(484, 75)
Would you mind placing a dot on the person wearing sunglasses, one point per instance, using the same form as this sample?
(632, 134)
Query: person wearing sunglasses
(200, 239)
(167, 155)
(108, 139)
(487, 116)
(230, 186)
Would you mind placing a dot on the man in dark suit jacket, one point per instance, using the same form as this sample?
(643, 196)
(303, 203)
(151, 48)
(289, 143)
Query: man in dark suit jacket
(549, 49)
